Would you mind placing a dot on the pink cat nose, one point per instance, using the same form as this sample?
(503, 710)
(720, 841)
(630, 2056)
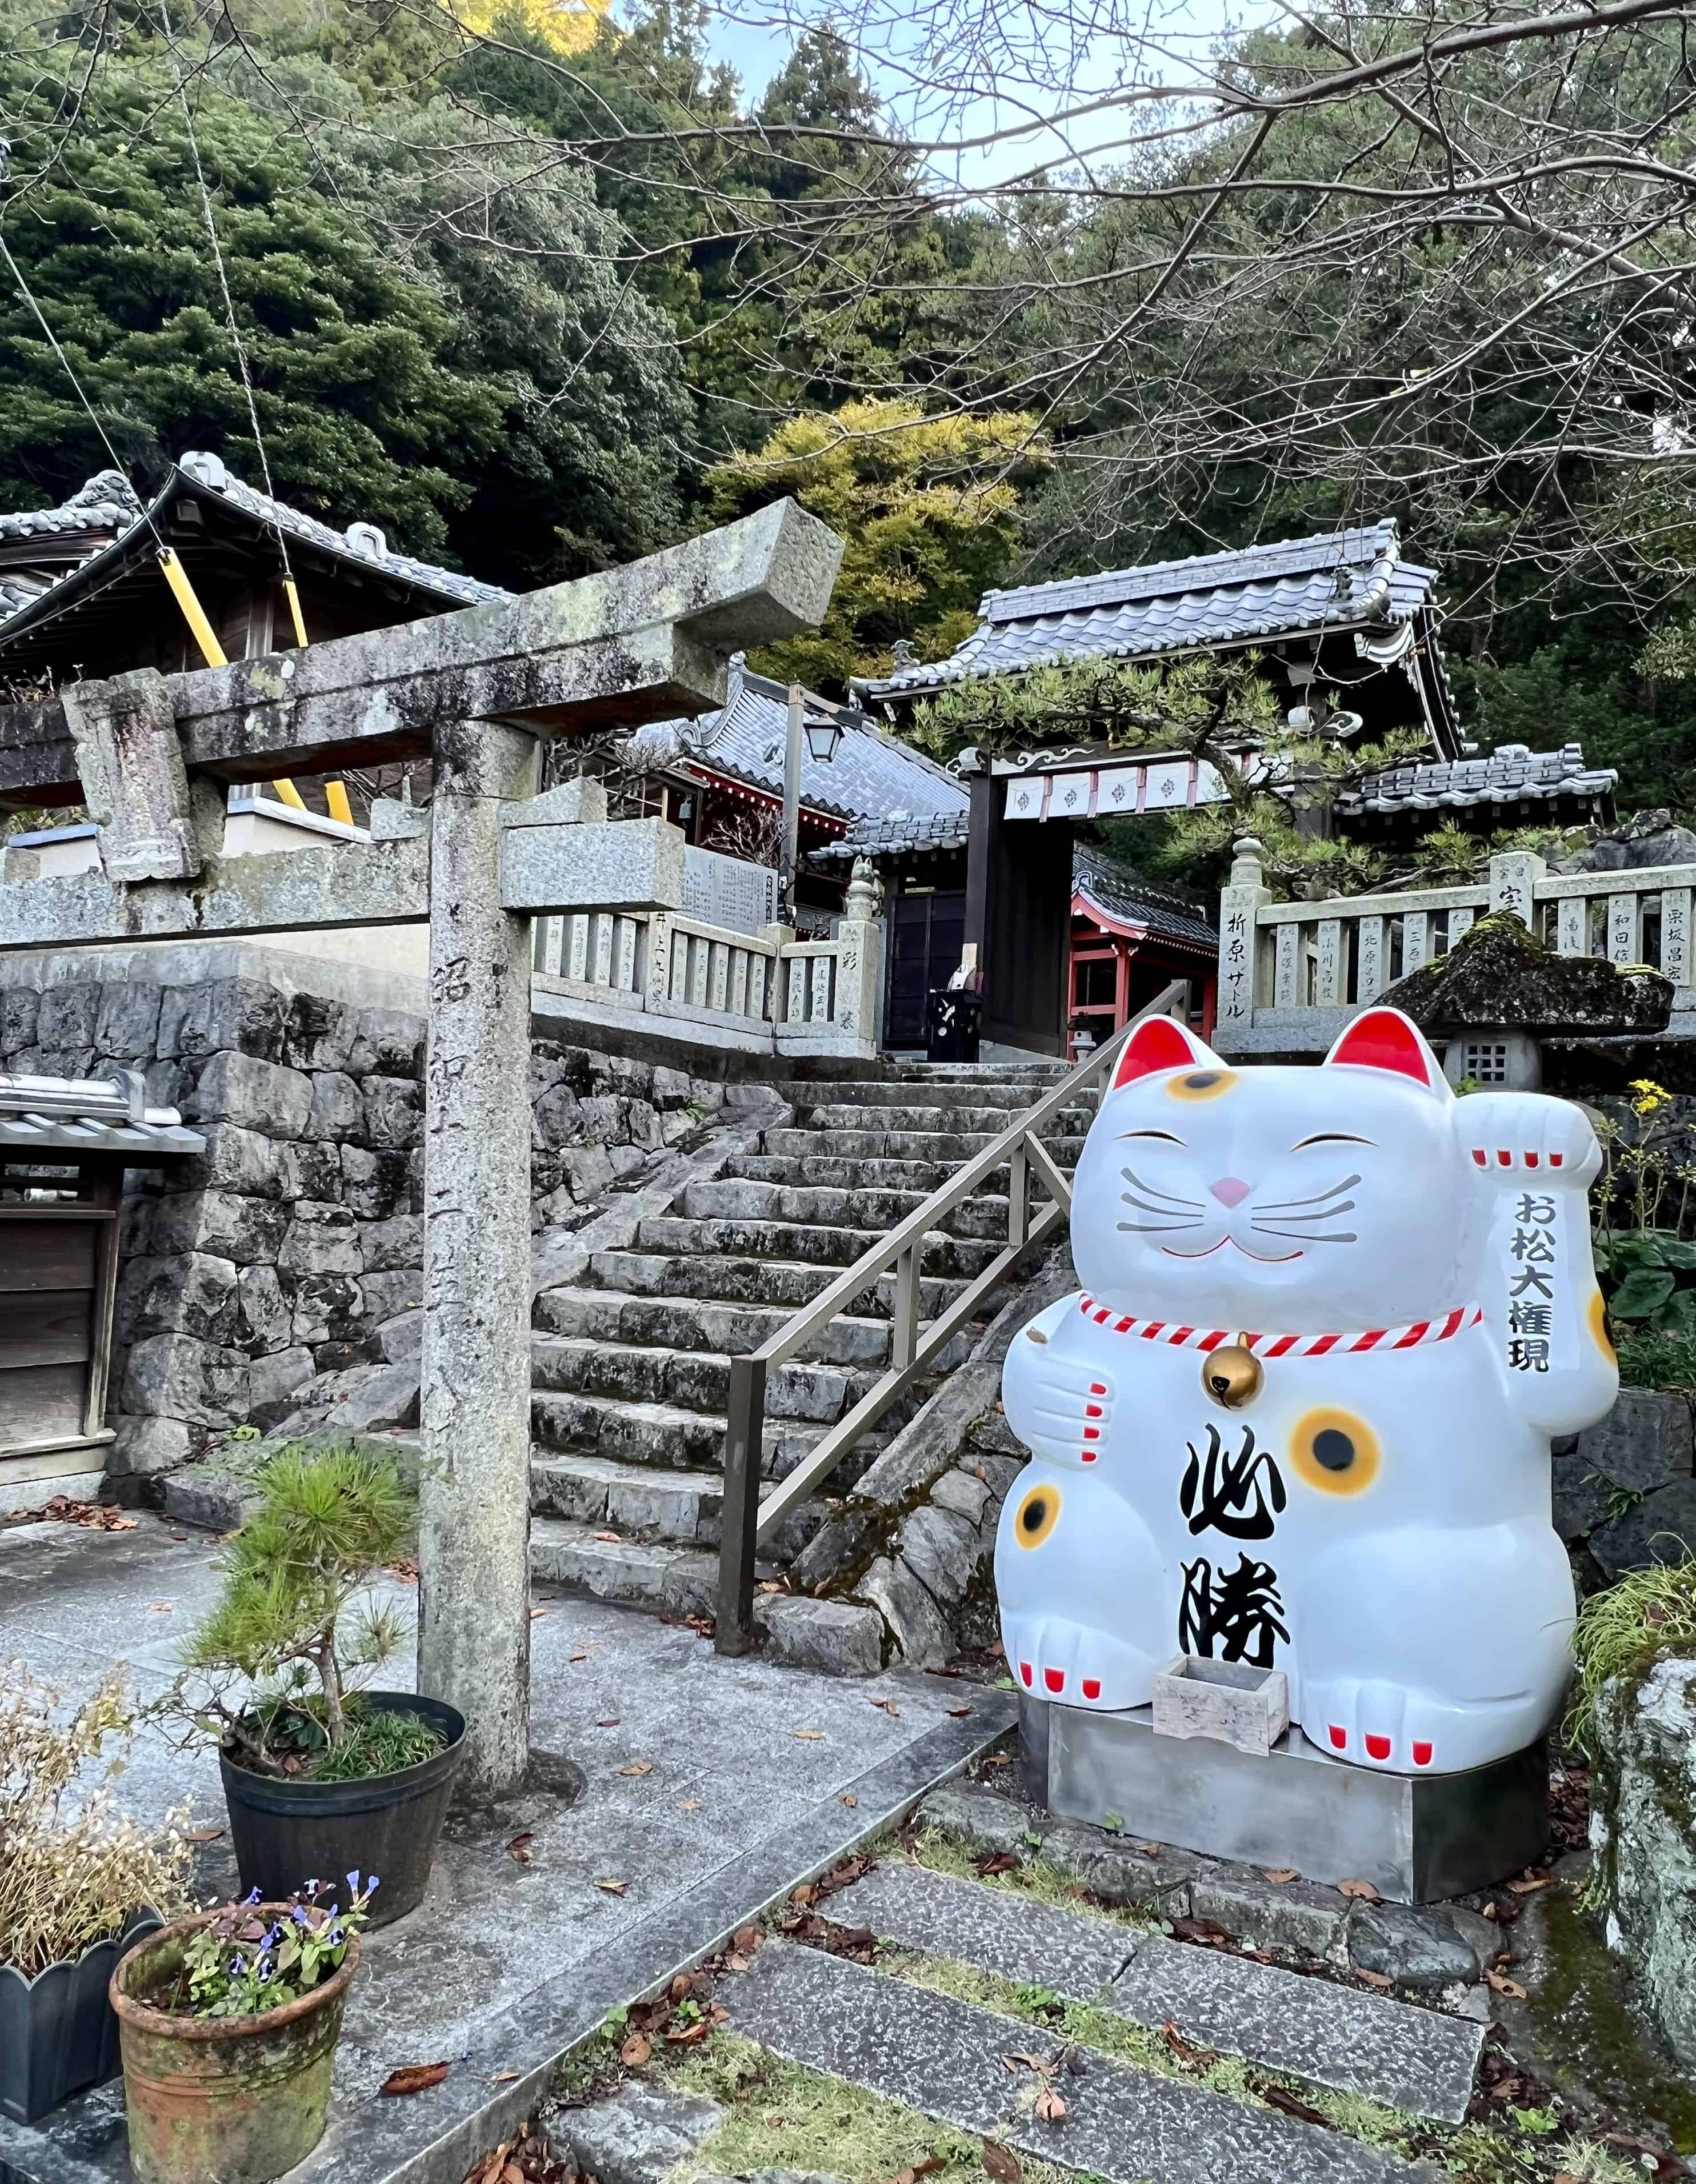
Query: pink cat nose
(1230, 1190)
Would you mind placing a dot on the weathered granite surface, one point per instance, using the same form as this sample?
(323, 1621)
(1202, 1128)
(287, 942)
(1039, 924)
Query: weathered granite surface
(1643, 1831)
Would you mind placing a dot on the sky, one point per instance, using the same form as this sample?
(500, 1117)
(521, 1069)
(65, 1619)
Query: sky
(1049, 61)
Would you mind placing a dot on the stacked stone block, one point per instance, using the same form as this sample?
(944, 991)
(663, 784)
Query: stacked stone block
(292, 1248)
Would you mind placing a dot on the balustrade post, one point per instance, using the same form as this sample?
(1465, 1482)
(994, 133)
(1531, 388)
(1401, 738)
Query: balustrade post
(859, 958)
(1513, 875)
(1239, 950)
(1018, 1195)
(904, 1333)
(739, 1513)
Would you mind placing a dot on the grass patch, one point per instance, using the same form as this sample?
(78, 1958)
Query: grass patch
(1048, 1884)
(1623, 1631)
(782, 2115)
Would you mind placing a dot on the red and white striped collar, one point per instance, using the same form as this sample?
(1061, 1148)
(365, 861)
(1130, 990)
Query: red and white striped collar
(1169, 1333)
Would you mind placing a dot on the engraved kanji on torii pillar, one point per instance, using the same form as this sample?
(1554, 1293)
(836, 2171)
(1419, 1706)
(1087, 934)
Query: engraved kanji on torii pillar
(150, 755)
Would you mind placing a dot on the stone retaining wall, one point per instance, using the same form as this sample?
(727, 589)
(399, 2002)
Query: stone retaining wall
(1625, 1489)
(292, 1248)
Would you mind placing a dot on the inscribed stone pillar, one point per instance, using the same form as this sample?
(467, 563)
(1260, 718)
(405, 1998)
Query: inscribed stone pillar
(474, 1498)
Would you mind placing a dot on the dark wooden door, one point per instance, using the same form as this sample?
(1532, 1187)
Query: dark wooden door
(926, 932)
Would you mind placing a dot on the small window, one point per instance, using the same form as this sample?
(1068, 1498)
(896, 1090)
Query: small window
(1095, 982)
(1485, 1060)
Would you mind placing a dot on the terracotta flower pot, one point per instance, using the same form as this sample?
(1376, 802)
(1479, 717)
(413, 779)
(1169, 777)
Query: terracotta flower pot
(223, 2100)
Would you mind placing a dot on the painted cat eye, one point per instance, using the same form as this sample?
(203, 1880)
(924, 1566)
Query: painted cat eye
(1330, 1137)
(1165, 1136)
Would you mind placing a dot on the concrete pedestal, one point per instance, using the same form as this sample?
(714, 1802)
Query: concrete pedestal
(1416, 1838)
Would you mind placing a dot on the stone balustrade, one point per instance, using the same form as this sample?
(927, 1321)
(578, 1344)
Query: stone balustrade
(1292, 973)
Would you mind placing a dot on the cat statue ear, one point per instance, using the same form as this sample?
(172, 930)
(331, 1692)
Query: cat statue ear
(1161, 1043)
(1385, 1040)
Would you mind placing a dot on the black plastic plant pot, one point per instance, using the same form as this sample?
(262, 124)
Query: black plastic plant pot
(287, 1832)
(58, 2034)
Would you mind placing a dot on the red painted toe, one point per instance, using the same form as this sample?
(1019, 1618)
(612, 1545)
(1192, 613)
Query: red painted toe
(1055, 1679)
(1087, 1454)
(1339, 1737)
(1092, 1687)
(1504, 1160)
(1422, 1755)
(1555, 1159)
(1024, 1670)
(1098, 1387)
(1092, 1410)
(1478, 1155)
(1378, 1747)
(1531, 1160)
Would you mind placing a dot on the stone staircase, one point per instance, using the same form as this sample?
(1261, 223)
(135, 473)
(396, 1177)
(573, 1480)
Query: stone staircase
(631, 1362)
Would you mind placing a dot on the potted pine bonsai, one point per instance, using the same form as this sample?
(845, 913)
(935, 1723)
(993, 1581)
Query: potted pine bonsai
(322, 1773)
(229, 2023)
(79, 1881)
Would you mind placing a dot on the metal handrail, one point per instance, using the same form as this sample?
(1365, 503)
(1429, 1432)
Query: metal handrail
(746, 1519)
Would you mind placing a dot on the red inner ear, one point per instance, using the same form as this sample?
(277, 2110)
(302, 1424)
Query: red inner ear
(1383, 1039)
(1159, 1043)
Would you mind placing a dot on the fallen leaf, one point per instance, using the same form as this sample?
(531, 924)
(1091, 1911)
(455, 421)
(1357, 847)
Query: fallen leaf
(1503, 1984)
(1277, 2097)
(849, 1799)
(689, 1805)
(576, 1656)
(638, 1767)
(1529, 1883)
(160, 1607)
(1050, 2108)
(804, 1894)
(1000, 2164)
(537, 1613)
(999, 1759)
(1362, 1890)
(685, 2036)
(809, 1735)
(523, 1847)
(415, 2077)
(887, 1706)
(1018, 2059)
(201, 1835)
(680, 1987)
(1563, 2176)
(932, 2165)
(612, 1722)
(613, 1539)
(1280, 1874)
(959, 1713)
(504, 2077)
(1373, 1979)
(1000, 1861)
(748, 1938)
(611, 1884)
(636, 2050)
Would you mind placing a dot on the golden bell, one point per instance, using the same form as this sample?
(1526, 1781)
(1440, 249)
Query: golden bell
(1233, 1376)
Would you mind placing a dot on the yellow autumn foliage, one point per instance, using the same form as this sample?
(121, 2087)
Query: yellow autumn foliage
(569, 26)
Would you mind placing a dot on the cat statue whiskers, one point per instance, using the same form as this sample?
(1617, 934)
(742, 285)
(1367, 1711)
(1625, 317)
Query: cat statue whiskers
(1409, 1275)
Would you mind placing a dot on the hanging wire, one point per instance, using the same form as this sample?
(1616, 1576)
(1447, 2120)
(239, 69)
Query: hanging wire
(28, 295)
(290, 591)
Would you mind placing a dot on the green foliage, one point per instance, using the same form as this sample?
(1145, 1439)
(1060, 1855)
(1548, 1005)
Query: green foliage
(1189, 703)
(483, 390)
(243, 1961)
(926, 505)
(1640, 1270)
(287, 1615)
(1622, 1633)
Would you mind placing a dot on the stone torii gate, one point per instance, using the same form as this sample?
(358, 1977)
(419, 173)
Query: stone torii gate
(150, 756)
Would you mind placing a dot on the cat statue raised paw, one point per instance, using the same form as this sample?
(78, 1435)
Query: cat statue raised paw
(1300, 1416)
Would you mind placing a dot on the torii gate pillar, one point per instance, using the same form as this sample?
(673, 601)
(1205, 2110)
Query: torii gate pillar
(474, 1476)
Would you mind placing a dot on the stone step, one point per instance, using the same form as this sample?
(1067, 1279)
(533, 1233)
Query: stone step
(673, 1438)
(944, 2057)
(987, 1121)
(1420, 2061)
(1009, 1095)
(840, 1172)
(690, 1322)
(779, 1283)
(948, 1147)
(741, 1198)
(644, 1503)
(692, 1379)
(832, 1637)
(955, 1257)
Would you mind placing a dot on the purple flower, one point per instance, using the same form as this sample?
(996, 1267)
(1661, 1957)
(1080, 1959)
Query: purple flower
(299, 1916)
(262, 1970)
(353, 1882)
(372, 1885)
(253, 1896)
(335, 1937)
(237, 1966)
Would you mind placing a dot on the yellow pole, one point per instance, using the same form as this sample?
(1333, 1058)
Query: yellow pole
(336, 796)
(193, 612)
(287, 793)
(292, 596)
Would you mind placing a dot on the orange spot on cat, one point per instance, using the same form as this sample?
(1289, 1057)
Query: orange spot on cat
(1598, 1316)
(1201, 1084)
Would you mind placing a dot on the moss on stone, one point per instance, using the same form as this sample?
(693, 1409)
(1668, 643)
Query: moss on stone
(1500, 975)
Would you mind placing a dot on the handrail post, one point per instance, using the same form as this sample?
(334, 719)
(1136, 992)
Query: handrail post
(739, 1515)
(904, 1333)
(1018, 1195)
